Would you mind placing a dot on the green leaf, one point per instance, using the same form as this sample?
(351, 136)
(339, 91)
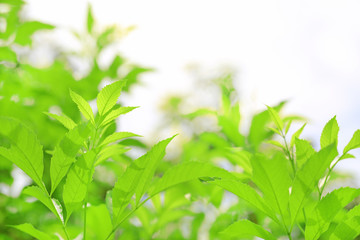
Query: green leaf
(63, 119)
(136, 179)
(200, 112)
(77, 180)
(115, 114)
(27, 29)
(346, 156)
(108, 96)
(349, 228)
(288, 126)
(276, 143)
(90, 19)
(276, 118)
(329, 134)
(306, 179)
(354, 142)
(110, 151)
(65, 153)
(116, 137)
(304, 151)
(83, 106)
(45, 199)
(318, 219)
(248, 194)
(271, 176)
(23, 149)
(187, 172)
(6, 54)
(296, 135)
(29, 229)
(246, 229)
(98, 229)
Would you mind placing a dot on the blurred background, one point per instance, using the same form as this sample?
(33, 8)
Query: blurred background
(305, 52)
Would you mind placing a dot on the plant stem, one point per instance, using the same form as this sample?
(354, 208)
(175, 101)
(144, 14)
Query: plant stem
(291, 159)
(328, 175)
(66, 233)
(85, 208)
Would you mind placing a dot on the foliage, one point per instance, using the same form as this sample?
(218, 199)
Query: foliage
(223, 183)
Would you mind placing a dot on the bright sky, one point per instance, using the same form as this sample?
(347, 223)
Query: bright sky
(305, 51)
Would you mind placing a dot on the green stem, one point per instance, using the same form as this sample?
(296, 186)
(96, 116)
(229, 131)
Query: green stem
(328, 175)
(85, 208)
(66, 233)
(287, 151)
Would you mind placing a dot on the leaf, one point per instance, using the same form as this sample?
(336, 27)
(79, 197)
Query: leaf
(98, 229)
(42, 196)
(65, 153)
(276, 118)
(246, 193)
(346, 156)
(116, 137)
(108, 96)
(136, 179)
(354, 142)
(276, 143)
(296, 135)
(304, 151)
(307, 178)
(63, 119)
(90, 19)
(6, 54)
(23, 149)
(77, 180)
(318, 219)
(29, 229)
(83, 106)
(288, 126)
(110, 151)
(27, 29)
(330, 132)
(187, 172)
(200, 112)
(115, 114)
(349, 228)
(246, 229)
(270, 175)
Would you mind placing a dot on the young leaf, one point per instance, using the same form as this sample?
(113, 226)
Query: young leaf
(318, 219)
(276, 143)
(296, 135)
(109, 151)
(90, 20)
(42, 196)
(63, 119)
(307, 178)
(77, 180)
(83, 106)
(330, 132)
(115, 114)
(108, 96)
(23, 149)
(116, 137)
(304, 151)
(276, 118)
(137, 178)
(288, 126)
(246, 229)
(346, 156)
(270, 175)
(29, 229)
(65, 153)
(354, 142)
